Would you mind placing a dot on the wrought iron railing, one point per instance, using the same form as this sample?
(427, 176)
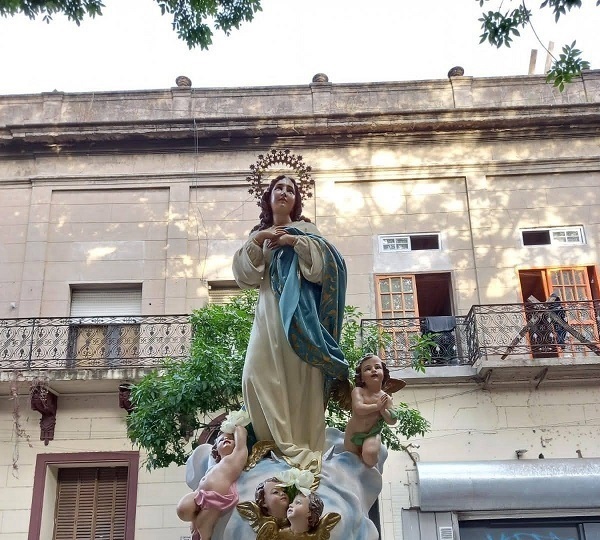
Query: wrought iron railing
(93, 342)
(401, 349)
(543, 330)
(540, 330)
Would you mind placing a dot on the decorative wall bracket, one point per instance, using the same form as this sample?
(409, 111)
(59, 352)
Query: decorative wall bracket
(46, 403)
(125, 397)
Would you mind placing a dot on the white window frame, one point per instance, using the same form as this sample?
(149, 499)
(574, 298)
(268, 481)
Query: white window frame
(407, 239)
(554, 230)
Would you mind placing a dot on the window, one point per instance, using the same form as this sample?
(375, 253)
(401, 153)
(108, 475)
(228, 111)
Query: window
(405, 302)
(91, 502)
(105, 330)
(410, 242)
(89, 495)
(576, 288)
(553, 236)
(556, 528)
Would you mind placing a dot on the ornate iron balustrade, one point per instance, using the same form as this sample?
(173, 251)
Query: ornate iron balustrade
(93, 342)
(544, 330)
(449, 346)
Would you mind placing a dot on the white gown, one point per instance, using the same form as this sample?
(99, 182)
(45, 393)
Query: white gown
(283, 394)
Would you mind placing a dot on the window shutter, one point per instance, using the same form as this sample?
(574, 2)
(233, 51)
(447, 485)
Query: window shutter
(107, 302)
(222, 295)
(91, 503)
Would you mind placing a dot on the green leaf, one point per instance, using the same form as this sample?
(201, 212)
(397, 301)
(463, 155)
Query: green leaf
(567, 67)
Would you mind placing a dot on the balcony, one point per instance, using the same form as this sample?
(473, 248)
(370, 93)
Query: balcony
(501, 343)
(99, 349)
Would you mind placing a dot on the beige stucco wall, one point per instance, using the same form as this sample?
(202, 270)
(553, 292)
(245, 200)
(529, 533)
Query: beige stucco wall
(468, 424)
(85, 423)
(176, 237)
(473, 159)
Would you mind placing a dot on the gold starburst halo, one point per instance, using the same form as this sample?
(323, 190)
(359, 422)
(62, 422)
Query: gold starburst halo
(302, 172)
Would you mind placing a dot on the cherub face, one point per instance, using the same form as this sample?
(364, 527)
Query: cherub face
(372, 369)
(225, 444)
(298, 510)
(276, 500)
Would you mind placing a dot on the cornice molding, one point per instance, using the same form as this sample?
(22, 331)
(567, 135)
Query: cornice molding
(236, 178)
(491, 121)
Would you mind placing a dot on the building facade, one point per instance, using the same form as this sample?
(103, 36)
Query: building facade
(461, 206)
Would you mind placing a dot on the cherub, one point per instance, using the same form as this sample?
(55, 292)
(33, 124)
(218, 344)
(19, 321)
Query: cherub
(272, 499)
(270, 505)
(305, 521)
(372, 408)
(217, 490)
(304, 512)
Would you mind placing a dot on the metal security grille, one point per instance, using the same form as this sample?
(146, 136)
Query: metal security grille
(91, 504)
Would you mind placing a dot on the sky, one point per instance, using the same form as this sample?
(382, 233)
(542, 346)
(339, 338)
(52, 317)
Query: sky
(133, 47)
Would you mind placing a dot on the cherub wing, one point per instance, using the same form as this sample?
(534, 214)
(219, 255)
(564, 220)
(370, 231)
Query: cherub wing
(251, 512)
(326, 524)
(268, 531)
(393, 385)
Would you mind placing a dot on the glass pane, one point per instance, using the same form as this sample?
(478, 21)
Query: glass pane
(388, 315)
(579, 277)
(386, 303)
(407, 285)
(583, 315)
(396, 285)
(384, 286)
(402, 244)
(397, 302)
(569, 295)
(409, 313)
(409, 301)
(567, 277)
(581, 293)
(555, 278)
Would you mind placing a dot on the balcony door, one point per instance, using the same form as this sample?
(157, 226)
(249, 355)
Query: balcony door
(573, 285)
(403, 299)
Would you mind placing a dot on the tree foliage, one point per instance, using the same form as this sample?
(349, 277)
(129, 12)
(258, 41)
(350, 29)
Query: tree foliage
(192, 19)
(499, 28)
(173, 404)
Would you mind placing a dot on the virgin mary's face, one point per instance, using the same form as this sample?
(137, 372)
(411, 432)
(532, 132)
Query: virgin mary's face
(283, 197)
